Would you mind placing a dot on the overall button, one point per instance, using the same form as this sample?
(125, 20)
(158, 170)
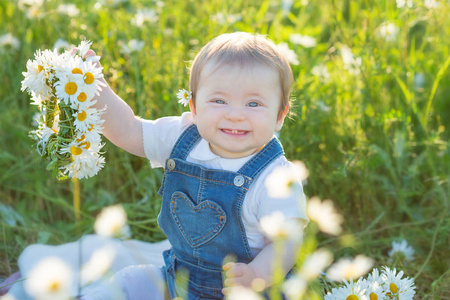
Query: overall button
(170, 164)
(239, 180)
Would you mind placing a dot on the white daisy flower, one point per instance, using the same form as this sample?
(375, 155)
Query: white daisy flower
(132, 46)
(325, 215)
(401, 248)
(37, 99)
(184, 97)
(276, 226)
(86, 161)
(50, 279)
(346, 268)
(38, 72)
(286, 180)
(350, 291)
(351, 63)
(97, 266)
(295, 287)
(24, 4)
(394, 285)
(93, 145)
(85, 165)
(322, 72)
(91, 78)
(430, 4)
(388, 31)
(85, 118)
(88, 79)
(303, 40)
(143, 15)
(47, 132)
(316, 263)
(92, 135)
(403, 3)
(290, 55)
(323, 107)
(68, 64)
(375, 276)
(112, 222)
(373, 289)
(68, 88)
(223, 19)
(81, 148)
(68, 9)
(8, 40)
(86, 139)
(83, 48)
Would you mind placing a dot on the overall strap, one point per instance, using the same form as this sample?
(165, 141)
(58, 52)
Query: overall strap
(185, 142)
(262, 159)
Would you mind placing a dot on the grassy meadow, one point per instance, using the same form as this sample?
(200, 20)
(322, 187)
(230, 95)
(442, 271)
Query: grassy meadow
(371, 116)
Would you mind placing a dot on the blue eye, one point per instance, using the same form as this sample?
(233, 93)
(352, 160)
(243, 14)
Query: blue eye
(219, 101)
(253, 104)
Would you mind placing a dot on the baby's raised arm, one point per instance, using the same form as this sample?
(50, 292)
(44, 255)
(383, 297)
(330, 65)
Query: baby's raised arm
(121, 126)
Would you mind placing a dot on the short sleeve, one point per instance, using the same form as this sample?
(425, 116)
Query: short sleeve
(159, 136)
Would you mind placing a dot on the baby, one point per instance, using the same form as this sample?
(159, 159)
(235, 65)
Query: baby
(216, 159)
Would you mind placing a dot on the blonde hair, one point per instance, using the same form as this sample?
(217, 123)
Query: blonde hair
(241, 48)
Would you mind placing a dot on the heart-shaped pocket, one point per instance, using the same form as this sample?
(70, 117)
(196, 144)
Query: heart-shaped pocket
(197, 223)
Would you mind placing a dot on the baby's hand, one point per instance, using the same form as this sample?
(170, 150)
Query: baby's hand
(238, 274)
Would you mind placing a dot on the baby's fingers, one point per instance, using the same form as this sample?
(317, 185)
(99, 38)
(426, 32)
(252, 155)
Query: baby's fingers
(234, 270)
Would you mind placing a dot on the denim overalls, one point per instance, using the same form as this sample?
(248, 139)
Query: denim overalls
(201, 216)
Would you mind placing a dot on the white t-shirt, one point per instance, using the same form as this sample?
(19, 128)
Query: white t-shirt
(159, 137)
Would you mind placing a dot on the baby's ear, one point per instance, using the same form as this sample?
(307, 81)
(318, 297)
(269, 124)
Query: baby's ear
(193, 111)
(281, 117)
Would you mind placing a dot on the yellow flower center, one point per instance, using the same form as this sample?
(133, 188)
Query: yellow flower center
(54, 286)
(40, 68)
(81, 116)
(77, 71)
(393, 288)
(115, 228)
(82, 97)
(71, 88)
(186, 95)
(86, 145)
(352, 297)
(89, 78)
(373, 296)
(75, 150)
(81, 138)
(91, 126)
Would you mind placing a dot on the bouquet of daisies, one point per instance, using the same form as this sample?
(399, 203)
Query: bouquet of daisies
(63, 87)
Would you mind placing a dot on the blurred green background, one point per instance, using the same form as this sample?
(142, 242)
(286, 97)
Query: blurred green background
(371, 115)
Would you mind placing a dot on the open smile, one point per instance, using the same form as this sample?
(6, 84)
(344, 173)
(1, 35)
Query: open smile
(234, 131)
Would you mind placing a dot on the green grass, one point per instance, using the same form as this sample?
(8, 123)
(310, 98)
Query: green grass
(375, 143)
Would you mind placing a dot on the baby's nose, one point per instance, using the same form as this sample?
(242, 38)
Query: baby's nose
(235, 114)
